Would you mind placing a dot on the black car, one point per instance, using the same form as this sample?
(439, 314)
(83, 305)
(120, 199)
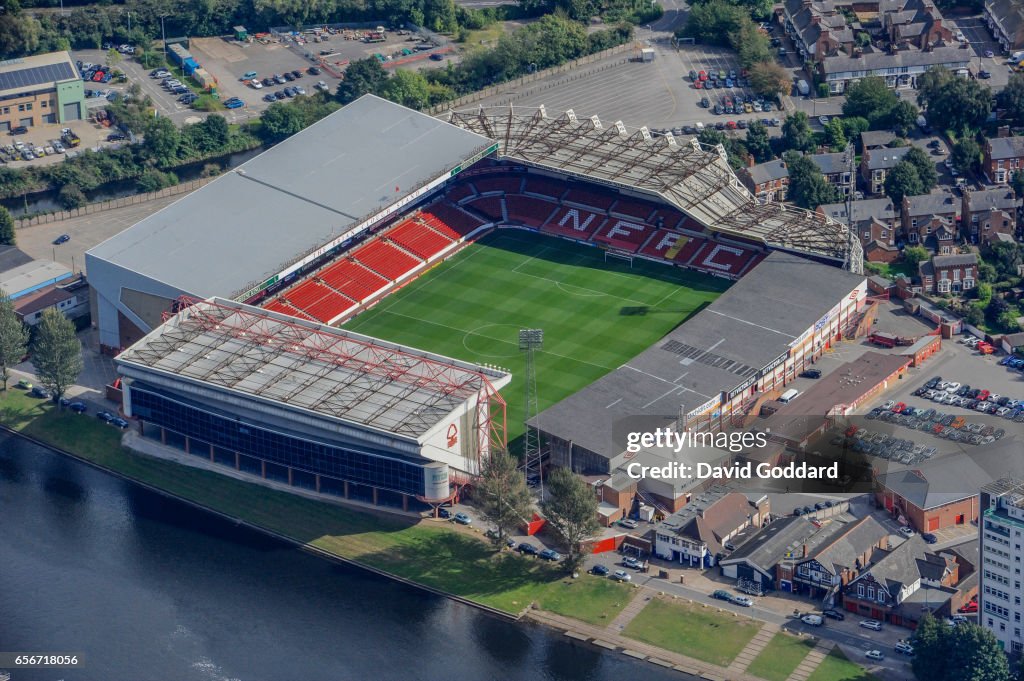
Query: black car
(288, 76)
(705, 102)
(984, 75)
(39, 392)
(296, 74)
(444, 513)
(599, 570)
(18, 130)
(834, 615)
(62, 239)
(527, 548)
(929, 538)
(115, 137)
(312, 70)
(279, 95)
(105, 416)
(78, 407)
(811, 373)
(269, 82)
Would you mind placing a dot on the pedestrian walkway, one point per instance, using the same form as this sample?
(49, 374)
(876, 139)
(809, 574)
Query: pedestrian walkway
(632, 609)
(811, 662)
(607, 638)
(754, 648)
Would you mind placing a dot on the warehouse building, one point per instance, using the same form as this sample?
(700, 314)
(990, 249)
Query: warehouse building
(40, 90)
(311, 406)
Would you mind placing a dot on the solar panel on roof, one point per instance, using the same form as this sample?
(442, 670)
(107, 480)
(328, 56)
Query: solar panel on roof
(36, 75)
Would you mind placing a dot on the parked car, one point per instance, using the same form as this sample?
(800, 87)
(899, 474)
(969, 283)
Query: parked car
(834, 615)
(550, 554)
(40, 392)
(116, 137)
(905, 648)
(105, 416)
(62, 239)
(528, 548)
(811, 373)
(313, 71)
(599, 570)
(118, 422)
(463, 519)
(874, 655)
(907, 531)
(873, 625)
(248, 75)
(722, 595)
(812, 620)
(25, 384)
(629, 523)
(632, 562)
(742, 601)
(621, 576)
(929, 538)
(78, 407)
(444, 513)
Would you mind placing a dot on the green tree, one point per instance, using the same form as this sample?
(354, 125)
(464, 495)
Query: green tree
(953, 103)
(162, 140)
(7, 234)
(807, 186)
(1011, 100)
(711, 137)
(216, 128)
(714, 21)
(925, 168)
(571, 510)
(502, 496)
(872, 99)
(71, 197)
(973, 652)
(363, 76)
(751, 45)
(1017, 182)
(57, 353)
(797, 133)
(902, 117)
(987, 272)
(769, 79)
(1006, 258)
(279, 121)
(408, 88)
(903, 180)
(835, 134)
(929, 641)
(758, 143)
(853, 126)
(983, 292)
(966, 155)
(13, 338)
(975, 314)
(914, 255)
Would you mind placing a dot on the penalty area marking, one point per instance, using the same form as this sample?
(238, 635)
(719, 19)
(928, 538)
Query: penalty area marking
(476, 332)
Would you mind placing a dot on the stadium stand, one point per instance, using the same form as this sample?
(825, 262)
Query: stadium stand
(460, 192)
(544, 186)
(672, 219)
(633, 210)
(529, 211)
(385, 259)
(574, 223)
(418, 238)
(449, 220)
(284, 307)
(499, 184)
(318, 301)
(623, 234)
(490, 207)
(724, 258)
(591, 200)
(353, 280)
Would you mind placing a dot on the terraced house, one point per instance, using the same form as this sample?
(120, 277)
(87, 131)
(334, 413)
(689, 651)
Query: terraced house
(930, 220)
(1005, 18)
(873, 221)
(836, 563)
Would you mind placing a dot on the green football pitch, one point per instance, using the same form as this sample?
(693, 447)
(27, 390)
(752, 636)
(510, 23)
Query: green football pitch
(595, 314)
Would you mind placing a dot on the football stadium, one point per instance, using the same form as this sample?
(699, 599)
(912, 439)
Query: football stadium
(342, 312)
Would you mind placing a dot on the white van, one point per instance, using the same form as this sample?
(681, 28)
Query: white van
(789, 395)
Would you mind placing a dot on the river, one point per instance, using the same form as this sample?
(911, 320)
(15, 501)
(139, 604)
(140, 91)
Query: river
(147, 588)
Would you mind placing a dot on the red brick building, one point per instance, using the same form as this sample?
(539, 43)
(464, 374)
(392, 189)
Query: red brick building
(988, 212)
(934, 497)
(1003, 156)
(949, 273)
(768, 181)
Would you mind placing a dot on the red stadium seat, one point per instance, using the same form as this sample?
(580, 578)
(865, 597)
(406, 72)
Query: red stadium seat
(633, 210)
(284, 307)
(418, 238)
(489, 207)
(500, 184)
(385, 259)
(623, 234)
(594, 200)
(544, 186)
(724, 258)
(529, 211)
(318, 301)
(352, 279)
(446, 219)
(670, 218)
(458, 192)
(574, 223)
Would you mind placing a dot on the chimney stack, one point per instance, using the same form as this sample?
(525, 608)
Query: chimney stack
(805, 550)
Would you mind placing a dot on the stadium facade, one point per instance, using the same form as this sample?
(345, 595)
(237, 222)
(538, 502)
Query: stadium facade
(310, 405)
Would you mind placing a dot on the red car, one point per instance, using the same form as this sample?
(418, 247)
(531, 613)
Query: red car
(969, 608)
(703, 75)
(983, 395)
(900, 406)
(98, 76)
(699, 84)
(731, 125)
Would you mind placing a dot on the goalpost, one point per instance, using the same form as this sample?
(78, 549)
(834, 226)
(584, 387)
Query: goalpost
(619, 255)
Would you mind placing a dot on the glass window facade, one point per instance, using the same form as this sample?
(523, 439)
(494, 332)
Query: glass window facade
(274, 446)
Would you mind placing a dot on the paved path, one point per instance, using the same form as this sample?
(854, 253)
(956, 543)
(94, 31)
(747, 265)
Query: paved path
(607, 638)
(640, 599)
(811, 662)
(754, 648)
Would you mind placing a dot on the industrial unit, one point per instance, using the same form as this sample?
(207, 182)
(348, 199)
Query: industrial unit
(39, 90)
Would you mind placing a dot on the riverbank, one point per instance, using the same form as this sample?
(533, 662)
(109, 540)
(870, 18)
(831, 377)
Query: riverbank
(419, 553)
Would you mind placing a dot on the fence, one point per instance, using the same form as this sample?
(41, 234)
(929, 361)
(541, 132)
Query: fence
(99, 207)
(534, 77)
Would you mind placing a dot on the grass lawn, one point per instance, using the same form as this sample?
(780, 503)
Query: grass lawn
(781, 656)
(427, 552)
(595, 315)
(837, 667)
(688, 629)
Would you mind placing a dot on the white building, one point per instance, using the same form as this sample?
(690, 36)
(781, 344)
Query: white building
(999, 592)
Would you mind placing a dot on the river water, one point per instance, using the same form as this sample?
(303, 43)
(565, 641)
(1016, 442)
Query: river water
(147, 588)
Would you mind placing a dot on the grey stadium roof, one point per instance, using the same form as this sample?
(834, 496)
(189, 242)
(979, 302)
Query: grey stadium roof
(255, 221)
(698, 181)
(310, 367)
(744, 330)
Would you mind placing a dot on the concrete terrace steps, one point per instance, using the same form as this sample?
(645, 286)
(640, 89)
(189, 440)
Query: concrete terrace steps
(814, 658)
(754, 648)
